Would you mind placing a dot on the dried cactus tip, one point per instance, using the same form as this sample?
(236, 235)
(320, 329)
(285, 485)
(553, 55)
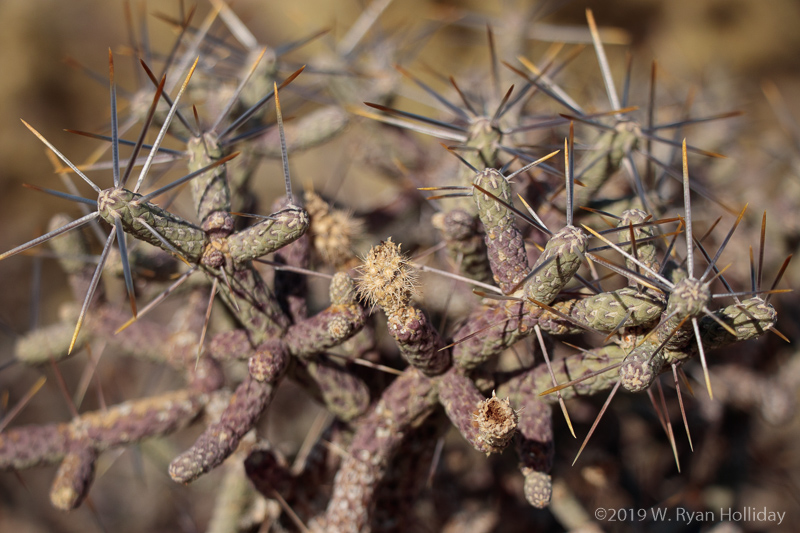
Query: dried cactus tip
(387, 277)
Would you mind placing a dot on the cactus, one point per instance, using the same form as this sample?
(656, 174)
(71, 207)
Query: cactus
(266, 306)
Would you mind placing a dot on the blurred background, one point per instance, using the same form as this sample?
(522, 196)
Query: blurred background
(731, 54)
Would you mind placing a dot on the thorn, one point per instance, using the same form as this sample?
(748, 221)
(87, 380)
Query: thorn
(289, 268)
(667, 423)
(47, 236)
(237, 28)
(62, 157)
(680, 403)
(162, 133)
(498, 297)
(634, 249)
(445, 188)
(685, 380)
(228, 284)
(618, 326)
(601, 213)
(722, 246)
(716, 319)
(255, 107)
(207, 319)
(62, 386)
(460, 136)
(467, 163)
(114, 125)
(513, 209)
(687, 206)
(502, 104)
(238, 90)
(780, 335)
(493, 60)
(563, 316)
(702, 357)
(161, 94)
(533, 213)
(603, 60)
(444, 101)
(368, 364)
(197, 123)
(92, 287)
(180, 181)
(590, 375)
(569, 164)
(553, 378)
(777, 278)
(284, 154)
(126, 267)
(463, 98)
(475, 333)
(623, 271)
(414, 116)
(22, 402)
(649, 270)
(597, 420)
(145, 127)
(158, 299)
(164, 241)
(289, 511)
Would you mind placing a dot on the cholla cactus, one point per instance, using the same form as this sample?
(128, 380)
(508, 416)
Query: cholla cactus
(312, 314)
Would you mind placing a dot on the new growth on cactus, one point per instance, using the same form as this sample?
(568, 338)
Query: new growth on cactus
(374, 340)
